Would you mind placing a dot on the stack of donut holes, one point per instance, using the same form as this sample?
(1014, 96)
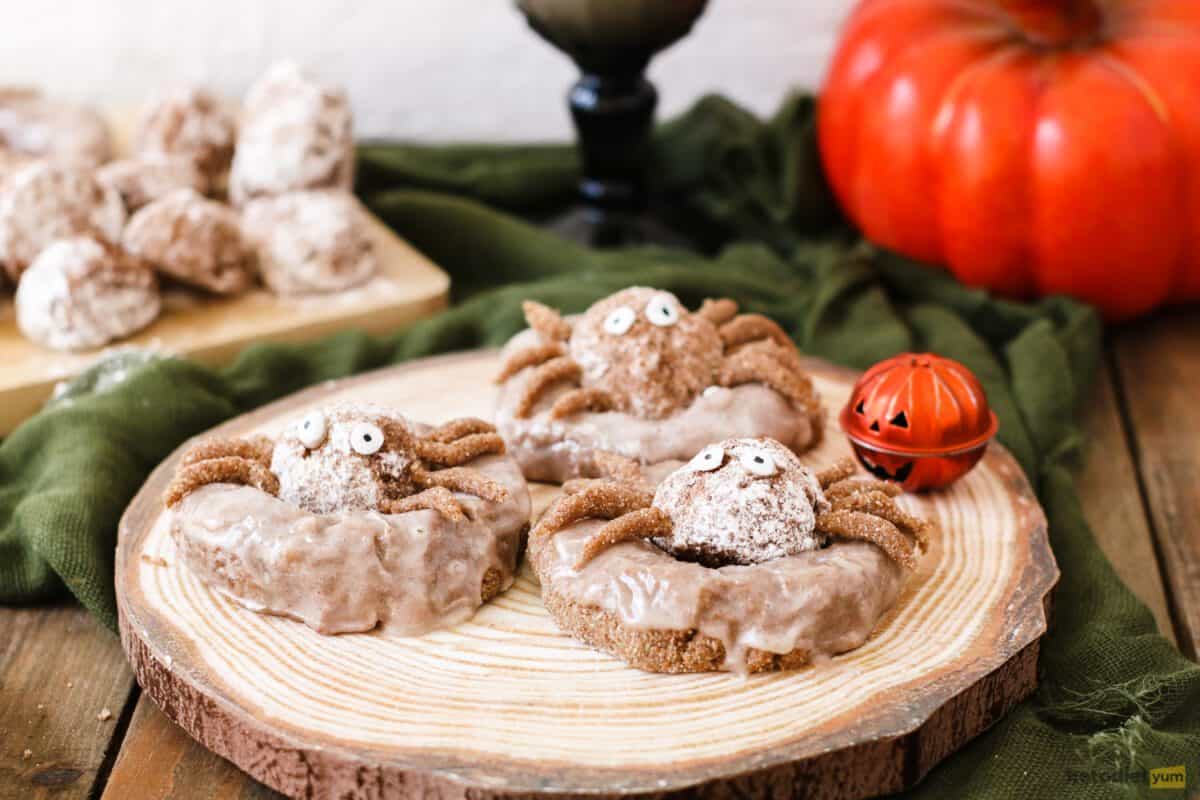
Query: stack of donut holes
(213, 200)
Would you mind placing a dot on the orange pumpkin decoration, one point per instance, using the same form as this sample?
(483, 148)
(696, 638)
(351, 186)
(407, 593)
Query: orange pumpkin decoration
(918, 419)
(1031, 146)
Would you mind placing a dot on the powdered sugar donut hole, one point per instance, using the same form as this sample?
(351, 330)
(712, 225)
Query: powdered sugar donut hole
(296, 134)
(80, 293)
(743, 501)
(34, 126)
(147, 178)
(193, 123)
(193, 240)
(45, 201)
(310, 242)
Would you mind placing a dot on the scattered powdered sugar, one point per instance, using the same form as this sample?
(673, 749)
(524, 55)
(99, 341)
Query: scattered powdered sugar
(118, 365)
(743, 501)
(142, 180)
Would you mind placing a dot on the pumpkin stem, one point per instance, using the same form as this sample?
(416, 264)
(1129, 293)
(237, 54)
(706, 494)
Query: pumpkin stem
(1057, 24)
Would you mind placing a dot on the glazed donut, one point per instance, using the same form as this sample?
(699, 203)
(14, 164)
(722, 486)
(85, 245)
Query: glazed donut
(641, 376)
(738, 561)
(355, 517)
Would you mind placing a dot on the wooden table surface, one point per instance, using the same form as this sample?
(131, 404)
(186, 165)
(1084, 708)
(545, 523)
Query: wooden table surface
(74, 725)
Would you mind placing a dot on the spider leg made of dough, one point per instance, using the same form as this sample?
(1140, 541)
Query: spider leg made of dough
(746, 328)
(547, 322)
(436, 498)
(618, 468)
(255, 448)
(222, 469)
(530, 356)
(459, 451)
(594, 499)
(456, 429)
(555, 371)
(870, 528)
(645, 523)
(836, 472)
(755, 366)
(464, 480)
(718, 311)
(578, 400)
(879, 504)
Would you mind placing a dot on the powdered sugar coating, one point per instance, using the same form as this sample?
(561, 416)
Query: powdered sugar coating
(734, 514)
(651, 370)
(45, 201)
(189, 122)
(70, 134)
(296, 134)
(80, 294)
(310, 242)
(332, 476)
(194, 240)
(142, 180)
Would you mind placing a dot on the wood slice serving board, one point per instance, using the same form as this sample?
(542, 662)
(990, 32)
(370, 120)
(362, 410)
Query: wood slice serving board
(504, 705)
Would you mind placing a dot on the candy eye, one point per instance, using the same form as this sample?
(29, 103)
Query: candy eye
(366, 439)
(619, 321)
(312, 429)
(707, 459)
(662, 311)
(758, 462)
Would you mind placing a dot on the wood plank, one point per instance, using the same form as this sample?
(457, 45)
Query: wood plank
(60, 671)
(158, 760)
(1158, 360)
(1112, 502)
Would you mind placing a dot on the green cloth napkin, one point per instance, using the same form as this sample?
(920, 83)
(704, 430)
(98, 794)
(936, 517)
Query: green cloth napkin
(1116, 699)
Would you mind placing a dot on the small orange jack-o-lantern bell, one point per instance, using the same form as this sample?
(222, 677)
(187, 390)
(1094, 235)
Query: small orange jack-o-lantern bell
(918, 419)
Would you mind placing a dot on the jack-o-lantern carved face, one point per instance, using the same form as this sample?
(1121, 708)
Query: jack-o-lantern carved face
(909, 412)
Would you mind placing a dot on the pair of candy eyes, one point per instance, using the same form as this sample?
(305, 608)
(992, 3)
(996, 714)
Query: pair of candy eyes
(660, 311)
(756, 461)
(365, 439)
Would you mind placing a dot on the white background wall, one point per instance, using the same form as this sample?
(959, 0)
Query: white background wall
(448, 69)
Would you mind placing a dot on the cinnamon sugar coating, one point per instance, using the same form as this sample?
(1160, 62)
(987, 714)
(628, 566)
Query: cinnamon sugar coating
(255, 448)
(529, 357)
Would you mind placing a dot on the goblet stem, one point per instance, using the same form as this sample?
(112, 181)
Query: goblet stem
(613, 116)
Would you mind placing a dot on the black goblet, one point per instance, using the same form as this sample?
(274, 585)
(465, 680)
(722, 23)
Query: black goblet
(612, 105)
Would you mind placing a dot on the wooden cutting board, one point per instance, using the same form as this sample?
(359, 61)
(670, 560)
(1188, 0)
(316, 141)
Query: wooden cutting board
(213, 329)
(504, 705)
